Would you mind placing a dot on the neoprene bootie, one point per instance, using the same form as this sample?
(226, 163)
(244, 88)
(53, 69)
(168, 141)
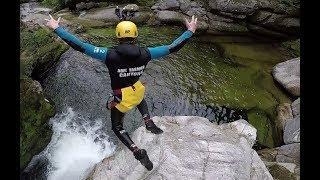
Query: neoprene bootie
(142, 156)
(150, 126)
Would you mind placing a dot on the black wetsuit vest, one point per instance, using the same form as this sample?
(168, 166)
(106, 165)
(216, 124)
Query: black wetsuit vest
(126, 63)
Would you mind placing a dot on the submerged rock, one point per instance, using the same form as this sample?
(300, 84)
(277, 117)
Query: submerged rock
(288, 75)
(189, 148)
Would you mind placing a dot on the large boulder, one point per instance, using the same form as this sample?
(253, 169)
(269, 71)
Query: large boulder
(35, 111)
(277, 22)
(233, 6)
(226, 27)
(283, 162)
(288, 75)
(167, 5)
(107, 14)
(289, 153)
(189, 148)
(222, 24)
(259, 30)
(291, 133)
(177, 18)
(284, 154)
(79, 81)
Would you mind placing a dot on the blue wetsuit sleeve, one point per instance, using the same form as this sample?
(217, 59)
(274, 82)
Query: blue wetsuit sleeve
(161, 51)
(98, 53)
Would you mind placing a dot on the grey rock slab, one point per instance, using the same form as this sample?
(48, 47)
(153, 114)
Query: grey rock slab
(189, 148)
(288, 75)
(289, 153)
(291, 133)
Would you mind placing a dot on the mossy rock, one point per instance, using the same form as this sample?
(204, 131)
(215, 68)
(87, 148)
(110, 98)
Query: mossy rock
(293, 47)
(265, 134)
(39, 51)
(281, 173)
(35, 111)
(55, 4)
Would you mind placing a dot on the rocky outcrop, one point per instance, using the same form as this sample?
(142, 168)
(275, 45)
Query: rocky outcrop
(189, 148)
(284, 161)
(276, 22)
(38, 53)
(35, 111)
(173, 17)
(32, 14)
(234, 6)
(107, 14)
(292, 131)
(269, 18)
(288, 75)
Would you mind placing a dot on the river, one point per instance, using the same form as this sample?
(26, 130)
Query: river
(220, 78)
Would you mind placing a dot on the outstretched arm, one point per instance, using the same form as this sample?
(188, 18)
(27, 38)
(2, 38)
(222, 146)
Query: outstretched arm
(99, 53)
(161, 51)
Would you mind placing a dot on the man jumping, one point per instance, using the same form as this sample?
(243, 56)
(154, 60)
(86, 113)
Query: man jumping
(126, 63)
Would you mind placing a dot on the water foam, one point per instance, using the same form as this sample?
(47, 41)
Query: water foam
(76, 146)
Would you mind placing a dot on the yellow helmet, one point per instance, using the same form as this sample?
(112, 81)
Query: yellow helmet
(126, 29)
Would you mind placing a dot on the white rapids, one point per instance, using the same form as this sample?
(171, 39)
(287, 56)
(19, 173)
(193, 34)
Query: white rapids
(76, 146)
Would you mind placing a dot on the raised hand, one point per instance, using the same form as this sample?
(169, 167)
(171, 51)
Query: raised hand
(192, 25)
(52, 23)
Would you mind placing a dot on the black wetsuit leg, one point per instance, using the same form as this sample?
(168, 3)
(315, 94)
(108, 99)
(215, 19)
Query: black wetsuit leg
(143, 109)
(117, 127)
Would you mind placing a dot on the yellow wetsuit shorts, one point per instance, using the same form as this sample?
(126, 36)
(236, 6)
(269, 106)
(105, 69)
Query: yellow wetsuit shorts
(131, 97)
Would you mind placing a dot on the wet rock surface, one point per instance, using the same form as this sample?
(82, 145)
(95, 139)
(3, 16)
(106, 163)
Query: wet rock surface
(189, 148)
